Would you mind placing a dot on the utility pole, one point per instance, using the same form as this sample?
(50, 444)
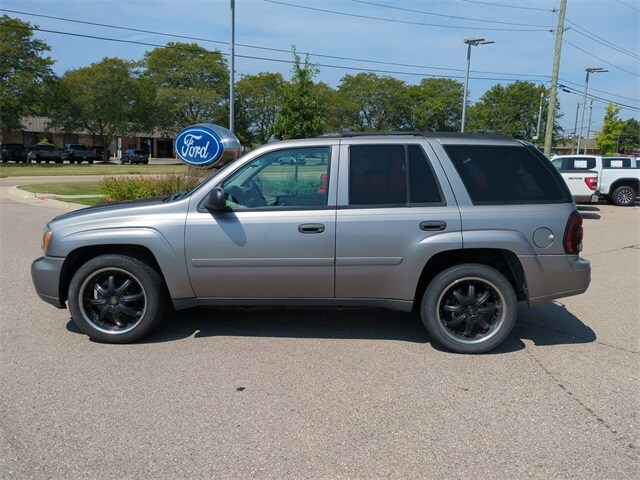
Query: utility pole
(586, 142)
(232, 95)
(553, 95)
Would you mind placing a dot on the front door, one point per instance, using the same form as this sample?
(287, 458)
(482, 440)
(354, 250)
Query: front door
(277, 240)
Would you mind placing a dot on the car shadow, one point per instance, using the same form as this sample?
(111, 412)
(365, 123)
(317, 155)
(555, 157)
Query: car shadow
(588, 212)
(550, 324)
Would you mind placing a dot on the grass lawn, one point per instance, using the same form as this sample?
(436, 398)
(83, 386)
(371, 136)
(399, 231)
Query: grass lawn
(71, 188)
(52, 169)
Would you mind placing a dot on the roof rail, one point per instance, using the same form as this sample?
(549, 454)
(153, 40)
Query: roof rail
(346, 133)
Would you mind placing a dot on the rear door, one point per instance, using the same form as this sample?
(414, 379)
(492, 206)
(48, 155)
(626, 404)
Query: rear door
(394, 213)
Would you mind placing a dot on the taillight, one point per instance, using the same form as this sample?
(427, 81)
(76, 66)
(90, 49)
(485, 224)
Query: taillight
(592, 182)
(573, 234)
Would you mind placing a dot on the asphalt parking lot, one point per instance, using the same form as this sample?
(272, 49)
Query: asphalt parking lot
(272, 393)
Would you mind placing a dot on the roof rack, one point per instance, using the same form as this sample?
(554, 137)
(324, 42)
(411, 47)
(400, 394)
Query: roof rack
(346, 133)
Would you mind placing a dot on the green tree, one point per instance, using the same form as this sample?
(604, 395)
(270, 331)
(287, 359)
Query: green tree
(369, 102)
(436, 105)
(608, 139)
(190, 84)
(24, 68)
(630, 136)
(512, 110)
(104, 99)
(300, 114)
(258, 98)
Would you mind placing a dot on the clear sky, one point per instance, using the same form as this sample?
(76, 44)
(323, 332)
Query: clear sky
(407, 39)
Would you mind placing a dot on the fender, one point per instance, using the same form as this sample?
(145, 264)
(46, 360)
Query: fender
(172, 263)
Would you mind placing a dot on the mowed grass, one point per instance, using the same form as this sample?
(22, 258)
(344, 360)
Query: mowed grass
(70, 188)
(58, 169)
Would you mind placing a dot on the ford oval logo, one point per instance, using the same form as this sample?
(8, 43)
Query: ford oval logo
(198, 145)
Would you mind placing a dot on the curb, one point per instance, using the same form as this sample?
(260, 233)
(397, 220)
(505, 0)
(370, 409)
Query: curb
(22, 196)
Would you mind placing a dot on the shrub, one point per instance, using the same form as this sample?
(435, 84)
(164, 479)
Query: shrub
(116, 189)
(290, 186)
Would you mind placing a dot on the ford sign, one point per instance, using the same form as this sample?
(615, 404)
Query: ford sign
(207, 145)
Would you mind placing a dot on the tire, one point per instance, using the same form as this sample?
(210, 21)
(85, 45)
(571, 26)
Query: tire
(469, 308)
(624, 196)
(128, 294)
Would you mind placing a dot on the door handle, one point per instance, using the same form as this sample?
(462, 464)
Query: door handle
(311, 228)
(433, 226)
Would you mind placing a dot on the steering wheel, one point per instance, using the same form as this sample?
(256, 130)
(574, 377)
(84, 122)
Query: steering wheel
(237, 194)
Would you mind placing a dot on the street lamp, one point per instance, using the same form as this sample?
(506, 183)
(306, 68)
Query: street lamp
(584, 99)
(470, 42)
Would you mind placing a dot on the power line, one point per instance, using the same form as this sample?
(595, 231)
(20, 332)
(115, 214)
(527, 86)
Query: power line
(592, 36)
(627, 5)
(406, 22)
(602, 91)
(507, 6)
(602, 60)
(250, 57)
(280, 50)
(518, 76)
(423, 12)
(594, 97)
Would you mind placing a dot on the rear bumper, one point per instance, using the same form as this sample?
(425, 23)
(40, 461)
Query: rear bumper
(45, 273)
(555, 276)
(587, 198)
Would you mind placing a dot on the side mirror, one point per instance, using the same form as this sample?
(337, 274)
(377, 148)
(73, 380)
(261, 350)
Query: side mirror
(216, 200)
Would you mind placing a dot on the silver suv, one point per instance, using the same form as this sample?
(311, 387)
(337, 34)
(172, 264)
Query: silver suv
(459, 227)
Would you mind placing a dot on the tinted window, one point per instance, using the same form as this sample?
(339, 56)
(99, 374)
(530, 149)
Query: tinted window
(422, 182)
(495, 175)
(377, 175)
(617, 162)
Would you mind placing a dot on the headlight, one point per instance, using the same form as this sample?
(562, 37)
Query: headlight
(46, 238)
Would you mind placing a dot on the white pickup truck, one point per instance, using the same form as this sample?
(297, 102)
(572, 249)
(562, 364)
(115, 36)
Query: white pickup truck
(582, 183)
(618, 178)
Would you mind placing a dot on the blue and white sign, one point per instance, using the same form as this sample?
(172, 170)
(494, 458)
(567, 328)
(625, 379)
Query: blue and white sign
(206, 145)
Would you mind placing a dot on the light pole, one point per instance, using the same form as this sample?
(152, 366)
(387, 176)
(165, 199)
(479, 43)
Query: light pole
(232, 94)
(470, 42)
(584, 98)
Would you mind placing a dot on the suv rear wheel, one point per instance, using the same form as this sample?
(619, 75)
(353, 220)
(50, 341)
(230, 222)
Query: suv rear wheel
(469, 308)
(116, 298)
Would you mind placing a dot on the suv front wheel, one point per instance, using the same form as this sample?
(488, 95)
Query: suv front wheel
(469, 308)
(116, 298)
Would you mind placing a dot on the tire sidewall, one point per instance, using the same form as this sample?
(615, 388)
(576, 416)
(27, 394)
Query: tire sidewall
(430, 308)
(150, 281)
(614, 196)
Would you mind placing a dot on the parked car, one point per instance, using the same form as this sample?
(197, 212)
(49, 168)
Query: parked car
(97, 152)
(45, 153)
(14, 152)
(77, 153)
(290, 160)
(460, 227)
(134, 156)
(582, 183)
(618, 177)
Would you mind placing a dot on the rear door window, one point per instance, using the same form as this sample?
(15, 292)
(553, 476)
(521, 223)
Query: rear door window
(502, 175)
(396, 175)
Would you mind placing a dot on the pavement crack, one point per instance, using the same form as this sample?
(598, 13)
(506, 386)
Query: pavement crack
(630, 448)
(634, 247)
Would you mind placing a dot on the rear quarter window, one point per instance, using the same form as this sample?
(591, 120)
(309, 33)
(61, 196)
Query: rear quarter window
(503, 175)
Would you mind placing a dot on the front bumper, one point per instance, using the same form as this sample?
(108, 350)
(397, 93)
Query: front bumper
(555, 276)
(45, 273)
